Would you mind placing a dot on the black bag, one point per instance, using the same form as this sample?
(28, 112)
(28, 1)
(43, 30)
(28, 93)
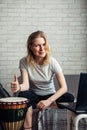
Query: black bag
(3, 92)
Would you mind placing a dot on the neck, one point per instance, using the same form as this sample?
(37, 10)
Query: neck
(39, 61)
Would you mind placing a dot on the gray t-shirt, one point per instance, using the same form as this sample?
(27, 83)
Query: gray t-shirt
(41, 76)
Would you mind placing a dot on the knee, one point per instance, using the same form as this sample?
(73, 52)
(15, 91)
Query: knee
(30, 111)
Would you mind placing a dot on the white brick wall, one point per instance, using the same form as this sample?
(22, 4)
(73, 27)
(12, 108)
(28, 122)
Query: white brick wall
(64, 22)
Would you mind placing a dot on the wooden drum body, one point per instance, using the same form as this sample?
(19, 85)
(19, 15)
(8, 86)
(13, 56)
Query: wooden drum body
(12, 112)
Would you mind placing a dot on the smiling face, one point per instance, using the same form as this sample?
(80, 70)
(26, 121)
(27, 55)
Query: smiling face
(39, 48)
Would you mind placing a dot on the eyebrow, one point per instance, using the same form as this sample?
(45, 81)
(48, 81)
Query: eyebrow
(38, 44)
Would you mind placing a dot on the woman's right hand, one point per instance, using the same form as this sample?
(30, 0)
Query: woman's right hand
(15, 85)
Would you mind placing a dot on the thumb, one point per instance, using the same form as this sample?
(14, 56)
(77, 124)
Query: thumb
(15, 78)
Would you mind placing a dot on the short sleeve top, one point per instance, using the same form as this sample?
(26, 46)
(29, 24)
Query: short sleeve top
(41, 76)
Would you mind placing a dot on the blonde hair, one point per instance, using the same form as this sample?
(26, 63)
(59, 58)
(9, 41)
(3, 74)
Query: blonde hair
(30, 55)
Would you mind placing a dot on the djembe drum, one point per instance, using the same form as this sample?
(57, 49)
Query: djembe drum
(12, 112)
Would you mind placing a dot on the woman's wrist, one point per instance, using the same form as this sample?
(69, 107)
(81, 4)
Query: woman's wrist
(51, 100)
(19, 88)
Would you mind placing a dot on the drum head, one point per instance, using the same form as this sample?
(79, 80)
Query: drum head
(12, 111)
(13, 100)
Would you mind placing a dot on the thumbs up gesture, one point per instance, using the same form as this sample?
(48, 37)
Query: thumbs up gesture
(15, 78)
(15, 84)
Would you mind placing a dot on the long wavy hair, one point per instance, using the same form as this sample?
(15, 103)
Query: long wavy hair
(30, 55)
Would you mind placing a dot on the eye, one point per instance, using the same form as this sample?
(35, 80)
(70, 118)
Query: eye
(44, 44)
(35, 45)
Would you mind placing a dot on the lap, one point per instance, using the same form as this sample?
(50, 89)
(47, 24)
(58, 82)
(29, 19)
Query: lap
(34, 98)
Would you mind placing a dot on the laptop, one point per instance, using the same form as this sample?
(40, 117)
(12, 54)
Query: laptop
(80, 106)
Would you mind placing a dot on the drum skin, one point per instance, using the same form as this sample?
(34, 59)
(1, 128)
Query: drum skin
(12, 112)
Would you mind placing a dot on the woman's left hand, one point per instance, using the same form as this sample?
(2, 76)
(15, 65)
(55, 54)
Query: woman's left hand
(43, 104)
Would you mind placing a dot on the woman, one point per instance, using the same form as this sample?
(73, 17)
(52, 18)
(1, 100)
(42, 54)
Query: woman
(37, 71)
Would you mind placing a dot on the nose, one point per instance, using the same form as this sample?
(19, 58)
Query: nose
(41, 47)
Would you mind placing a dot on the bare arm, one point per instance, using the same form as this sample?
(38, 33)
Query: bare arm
(15, 86)
(63, 88)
